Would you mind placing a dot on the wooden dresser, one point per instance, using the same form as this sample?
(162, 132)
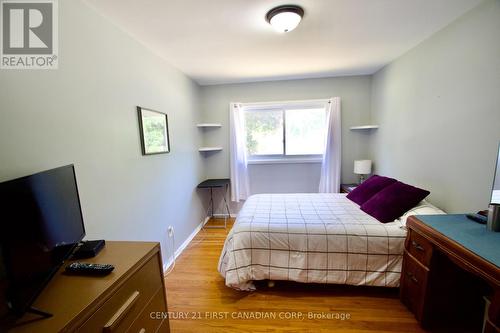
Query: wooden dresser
(119, 302)
(449, 264)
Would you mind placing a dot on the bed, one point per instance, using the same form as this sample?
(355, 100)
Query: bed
(311, 238)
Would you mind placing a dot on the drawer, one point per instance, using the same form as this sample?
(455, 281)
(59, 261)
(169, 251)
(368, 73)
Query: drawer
(164, 328)
(144, 323)
(121, 309)
(419, 247)
(413, 285)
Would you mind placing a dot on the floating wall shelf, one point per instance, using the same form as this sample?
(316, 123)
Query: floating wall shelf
(207, 149)
(207, 125)
(365, 127)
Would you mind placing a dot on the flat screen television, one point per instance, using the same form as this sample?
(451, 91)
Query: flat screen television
(40, 224)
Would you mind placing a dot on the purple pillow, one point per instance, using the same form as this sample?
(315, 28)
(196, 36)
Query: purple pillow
(393, 201)
(369, 188)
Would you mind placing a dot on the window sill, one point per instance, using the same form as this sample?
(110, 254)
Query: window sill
(285, 160)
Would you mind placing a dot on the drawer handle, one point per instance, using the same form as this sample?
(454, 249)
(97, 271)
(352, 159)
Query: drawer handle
(121, 313)
(417, 246)
(412, 277)
(143, 330)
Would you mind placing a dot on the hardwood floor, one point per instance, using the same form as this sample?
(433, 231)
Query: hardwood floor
(199, 301)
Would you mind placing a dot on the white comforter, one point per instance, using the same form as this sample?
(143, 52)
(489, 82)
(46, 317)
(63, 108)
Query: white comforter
(313, 238)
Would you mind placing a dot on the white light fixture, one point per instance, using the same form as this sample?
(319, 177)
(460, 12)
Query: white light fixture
(285, 18)
(361, 168)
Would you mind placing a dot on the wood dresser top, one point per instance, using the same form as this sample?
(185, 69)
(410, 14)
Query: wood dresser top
(66, 297)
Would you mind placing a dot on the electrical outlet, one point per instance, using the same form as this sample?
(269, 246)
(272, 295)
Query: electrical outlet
(170, 231)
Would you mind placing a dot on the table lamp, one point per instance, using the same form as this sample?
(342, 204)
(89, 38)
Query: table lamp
(362, 168)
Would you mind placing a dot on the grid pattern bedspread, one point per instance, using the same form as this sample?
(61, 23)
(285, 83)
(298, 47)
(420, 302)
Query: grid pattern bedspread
(314, 238)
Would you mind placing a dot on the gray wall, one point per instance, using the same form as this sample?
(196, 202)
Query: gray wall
(284, 178)
(438, 107)
(355, 94)
(84, 113)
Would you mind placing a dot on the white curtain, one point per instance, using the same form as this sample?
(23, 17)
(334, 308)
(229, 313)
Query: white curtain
(330, 166)
(240, 189)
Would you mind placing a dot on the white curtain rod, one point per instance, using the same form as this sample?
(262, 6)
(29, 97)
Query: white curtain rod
(304, 101)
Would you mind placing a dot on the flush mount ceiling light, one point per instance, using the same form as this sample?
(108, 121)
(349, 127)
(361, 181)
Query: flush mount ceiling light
(285, 18)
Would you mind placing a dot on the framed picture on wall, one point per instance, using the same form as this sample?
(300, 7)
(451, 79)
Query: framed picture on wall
(153, 126)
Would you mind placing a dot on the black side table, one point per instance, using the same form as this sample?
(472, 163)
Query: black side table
(216, 184)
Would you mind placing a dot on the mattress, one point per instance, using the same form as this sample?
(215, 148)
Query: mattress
(310, 238)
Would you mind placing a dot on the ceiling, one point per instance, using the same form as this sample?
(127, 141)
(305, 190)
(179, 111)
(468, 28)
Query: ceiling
(227, 41)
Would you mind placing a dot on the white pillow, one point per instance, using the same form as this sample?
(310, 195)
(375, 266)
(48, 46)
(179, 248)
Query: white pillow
(423, 208)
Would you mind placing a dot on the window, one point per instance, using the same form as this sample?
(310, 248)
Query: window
(285, 131)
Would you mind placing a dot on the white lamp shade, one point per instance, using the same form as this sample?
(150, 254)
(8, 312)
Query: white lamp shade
(362, 167)
(285, 22)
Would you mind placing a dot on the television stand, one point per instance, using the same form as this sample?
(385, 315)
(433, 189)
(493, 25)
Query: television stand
(8, 320)
(39, 312)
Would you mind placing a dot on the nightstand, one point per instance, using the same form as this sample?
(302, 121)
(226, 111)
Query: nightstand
(347, 188)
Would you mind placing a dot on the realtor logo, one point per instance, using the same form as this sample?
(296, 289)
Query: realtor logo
(29, 38)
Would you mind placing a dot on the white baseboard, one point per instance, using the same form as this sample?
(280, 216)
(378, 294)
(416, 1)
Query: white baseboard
(222, 215)
(185, 244)
(205, 221)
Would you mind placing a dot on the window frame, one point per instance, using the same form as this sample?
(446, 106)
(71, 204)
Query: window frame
(283, 106)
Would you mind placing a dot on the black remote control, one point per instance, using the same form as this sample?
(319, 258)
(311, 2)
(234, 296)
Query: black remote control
(82, 268)
(477, 218)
